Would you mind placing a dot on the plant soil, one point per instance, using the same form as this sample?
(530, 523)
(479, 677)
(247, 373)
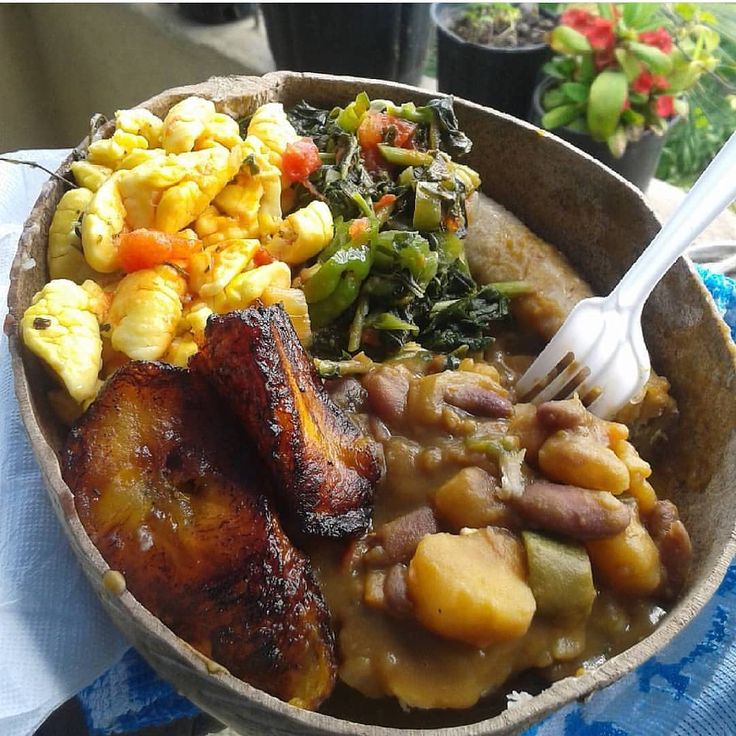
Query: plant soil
(507, 26)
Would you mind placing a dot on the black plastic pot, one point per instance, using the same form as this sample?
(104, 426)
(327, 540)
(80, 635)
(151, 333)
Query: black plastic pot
(639, 162)
(215, 13)
(500, 78)
(363, 40)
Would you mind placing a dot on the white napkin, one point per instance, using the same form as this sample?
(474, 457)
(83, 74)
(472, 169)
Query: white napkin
(55, 638)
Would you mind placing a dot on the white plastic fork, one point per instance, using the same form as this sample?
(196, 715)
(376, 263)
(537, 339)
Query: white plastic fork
(599, 352)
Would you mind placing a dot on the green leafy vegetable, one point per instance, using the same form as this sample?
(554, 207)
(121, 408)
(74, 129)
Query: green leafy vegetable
(404, 277)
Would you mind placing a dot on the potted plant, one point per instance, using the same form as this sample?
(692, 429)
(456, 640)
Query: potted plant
(491, 53)
(364, 40)
(620, 78)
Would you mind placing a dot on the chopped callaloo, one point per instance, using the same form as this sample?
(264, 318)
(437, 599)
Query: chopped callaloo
(395, 269)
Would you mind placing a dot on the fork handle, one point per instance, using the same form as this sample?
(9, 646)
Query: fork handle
(709, 196)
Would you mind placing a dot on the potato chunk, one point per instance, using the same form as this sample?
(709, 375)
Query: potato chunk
(580, 460)
(628, 562)
(468, 499)
(471, 587)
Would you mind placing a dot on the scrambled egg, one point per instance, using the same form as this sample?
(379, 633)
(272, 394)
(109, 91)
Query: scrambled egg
(61, 328)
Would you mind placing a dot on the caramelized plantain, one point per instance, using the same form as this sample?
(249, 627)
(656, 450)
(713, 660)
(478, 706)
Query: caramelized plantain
(173, 499)
(323, 466)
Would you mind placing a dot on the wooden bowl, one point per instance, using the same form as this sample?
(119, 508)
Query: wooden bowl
(601, 223)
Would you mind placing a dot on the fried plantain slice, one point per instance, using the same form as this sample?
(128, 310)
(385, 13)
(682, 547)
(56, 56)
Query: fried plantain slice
(175, 500)
(323, 466)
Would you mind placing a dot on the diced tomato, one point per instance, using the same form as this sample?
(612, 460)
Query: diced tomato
(386, 201)
(300, 159)
(148, 248)
(373, 159)
(358, 227)
(452, 224)
(262, 257)
(374, 129)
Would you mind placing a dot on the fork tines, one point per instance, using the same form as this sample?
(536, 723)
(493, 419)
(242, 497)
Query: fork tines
(567, 377)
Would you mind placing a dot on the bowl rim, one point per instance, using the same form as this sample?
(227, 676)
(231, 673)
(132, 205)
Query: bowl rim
(553, 697)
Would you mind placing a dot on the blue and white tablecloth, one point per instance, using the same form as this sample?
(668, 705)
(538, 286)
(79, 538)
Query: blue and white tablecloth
(55, 639)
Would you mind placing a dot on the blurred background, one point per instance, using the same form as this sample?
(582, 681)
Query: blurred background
(60, 64)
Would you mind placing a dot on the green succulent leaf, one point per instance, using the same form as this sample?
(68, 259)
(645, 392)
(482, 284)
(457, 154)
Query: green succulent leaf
(640, 15)
(551, 70)
(566, 40)
(654, 58)
(631, 117)
(587, 69)
(617, 142)
(575, 91)
(560, 116)
(631, 13)
(607, 96)
(629, 63)
(637, 98)
(553, 98)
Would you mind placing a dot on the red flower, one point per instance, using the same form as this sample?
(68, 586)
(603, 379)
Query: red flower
(603, 59)
(660, 81)
(577, 19)
(643, 83)
(599, 31)
(659, 38)
(626, 105)
(664, 106)
(600, 34)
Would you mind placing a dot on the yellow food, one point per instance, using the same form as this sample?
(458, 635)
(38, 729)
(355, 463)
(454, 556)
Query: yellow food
(110, 152)
(194, 124)
(259, 164)
(61, 328)
(167, 194)
(248, 286)
(639, 471)
(579, 460)
(270, 124)
(140, 121)
(471, 587)
(181, 349)
(90, 176)
(302, 234)
(295, 304)
(468, 500)
(64, 256)
(103, 221)
(145, 311)
(211, 270)
(627, 562)
(213, 227)
(241, 201)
